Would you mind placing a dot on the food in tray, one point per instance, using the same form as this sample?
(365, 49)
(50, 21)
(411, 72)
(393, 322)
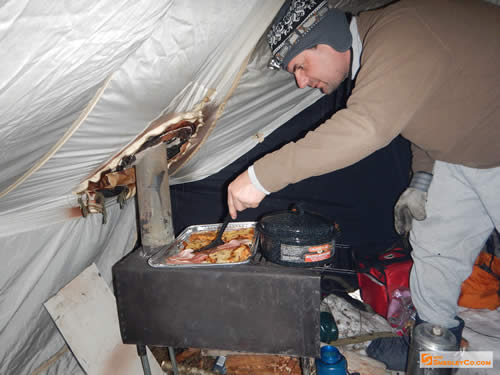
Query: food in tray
(236, 248)
(199, 239)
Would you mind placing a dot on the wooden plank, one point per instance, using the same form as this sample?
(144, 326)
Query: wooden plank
(245, 363)
(85, 314)
(262, 365)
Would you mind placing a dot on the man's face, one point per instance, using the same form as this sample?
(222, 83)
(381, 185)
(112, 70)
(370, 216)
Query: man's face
(320, 67)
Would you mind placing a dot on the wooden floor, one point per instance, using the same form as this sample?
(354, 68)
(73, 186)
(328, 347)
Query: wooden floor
(195, 361)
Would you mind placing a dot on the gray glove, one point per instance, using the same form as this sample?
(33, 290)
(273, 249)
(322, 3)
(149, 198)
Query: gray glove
(411, 204)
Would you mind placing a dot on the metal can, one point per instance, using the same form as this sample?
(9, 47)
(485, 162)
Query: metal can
(429, 338)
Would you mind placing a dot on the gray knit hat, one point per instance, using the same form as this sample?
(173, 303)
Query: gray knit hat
(303, 24)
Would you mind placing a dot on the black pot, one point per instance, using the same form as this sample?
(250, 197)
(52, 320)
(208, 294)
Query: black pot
(297, 238)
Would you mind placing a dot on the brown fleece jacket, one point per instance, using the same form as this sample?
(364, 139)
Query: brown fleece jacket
(430, 72)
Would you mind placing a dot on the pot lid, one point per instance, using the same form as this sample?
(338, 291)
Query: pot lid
(435, 338)
(297, 225)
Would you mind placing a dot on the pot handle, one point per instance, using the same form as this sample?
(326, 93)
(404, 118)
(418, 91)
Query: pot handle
(298, 209)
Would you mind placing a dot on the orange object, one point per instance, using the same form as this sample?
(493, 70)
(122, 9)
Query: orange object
(481, 290)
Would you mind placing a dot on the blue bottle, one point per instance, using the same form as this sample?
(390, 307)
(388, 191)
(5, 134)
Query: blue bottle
(332, 362)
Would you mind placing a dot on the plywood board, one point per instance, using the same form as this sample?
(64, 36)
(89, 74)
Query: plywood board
(85, 314)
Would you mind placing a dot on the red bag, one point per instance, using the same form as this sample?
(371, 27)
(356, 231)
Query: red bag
(379, 277)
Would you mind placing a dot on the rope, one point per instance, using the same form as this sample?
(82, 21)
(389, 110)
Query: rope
(362, 338)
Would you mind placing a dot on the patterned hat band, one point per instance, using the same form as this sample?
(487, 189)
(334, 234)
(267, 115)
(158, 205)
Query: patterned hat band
(312, 18)
(299, 26)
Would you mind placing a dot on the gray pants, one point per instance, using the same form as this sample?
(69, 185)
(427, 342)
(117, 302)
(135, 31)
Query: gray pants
(463, 208)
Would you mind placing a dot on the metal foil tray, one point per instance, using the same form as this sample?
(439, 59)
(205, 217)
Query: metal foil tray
(158, 260)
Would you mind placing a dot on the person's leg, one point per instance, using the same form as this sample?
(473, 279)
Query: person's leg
(446, 244)
(462, 207)
(488, 188)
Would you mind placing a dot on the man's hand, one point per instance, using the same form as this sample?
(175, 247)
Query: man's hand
(241, 194)
(411, 204)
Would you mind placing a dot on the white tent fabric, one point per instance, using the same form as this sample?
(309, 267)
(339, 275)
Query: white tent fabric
(36, 265)
(482, 331)
(79, 82)
(242, 125)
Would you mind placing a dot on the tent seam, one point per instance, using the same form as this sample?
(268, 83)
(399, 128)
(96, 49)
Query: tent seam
(74, 127)
(221, 107)
(44, 366)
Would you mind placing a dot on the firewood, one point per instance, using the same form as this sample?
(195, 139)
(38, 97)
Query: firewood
(188, 353)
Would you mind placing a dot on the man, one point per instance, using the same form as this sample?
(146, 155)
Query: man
(428, 71)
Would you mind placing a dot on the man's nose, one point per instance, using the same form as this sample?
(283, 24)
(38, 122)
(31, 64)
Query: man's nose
(301, 79)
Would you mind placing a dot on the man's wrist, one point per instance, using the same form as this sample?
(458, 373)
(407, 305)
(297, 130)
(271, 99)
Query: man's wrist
(255, 180)
(421, 181)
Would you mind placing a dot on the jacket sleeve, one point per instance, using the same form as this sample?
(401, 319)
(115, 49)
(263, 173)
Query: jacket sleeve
(394, 80)
(421, 161)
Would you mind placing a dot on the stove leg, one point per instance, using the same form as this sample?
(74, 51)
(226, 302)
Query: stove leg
(307, 365)
(171, 354)
(141, 351)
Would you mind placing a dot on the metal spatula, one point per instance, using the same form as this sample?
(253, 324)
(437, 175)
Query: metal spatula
(218, 239)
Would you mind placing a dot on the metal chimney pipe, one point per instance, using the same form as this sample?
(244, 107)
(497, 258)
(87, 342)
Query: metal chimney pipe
(153, 194)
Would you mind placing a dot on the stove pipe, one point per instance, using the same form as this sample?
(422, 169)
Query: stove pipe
(153, 194)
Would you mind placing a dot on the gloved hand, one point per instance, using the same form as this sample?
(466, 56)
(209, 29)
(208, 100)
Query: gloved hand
(411, 204)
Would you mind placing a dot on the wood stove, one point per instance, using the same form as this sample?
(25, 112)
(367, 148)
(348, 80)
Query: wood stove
(257, 307)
